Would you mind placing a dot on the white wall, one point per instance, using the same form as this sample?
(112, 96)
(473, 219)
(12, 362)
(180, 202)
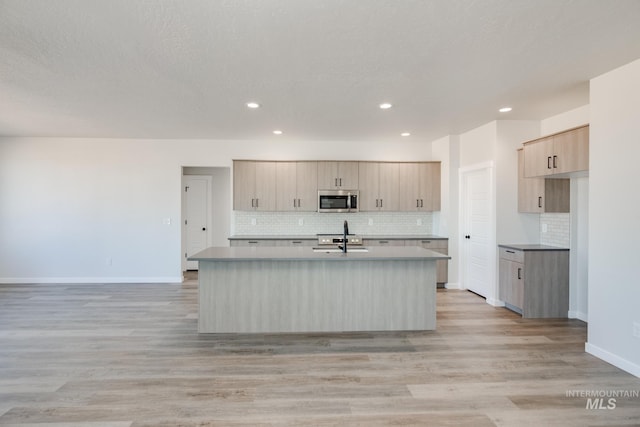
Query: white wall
(92, 210)
(512, 226)
(447, 151)
(614, 217)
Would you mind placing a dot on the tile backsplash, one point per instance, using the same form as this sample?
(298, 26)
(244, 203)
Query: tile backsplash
(558, 229)
(305, 223)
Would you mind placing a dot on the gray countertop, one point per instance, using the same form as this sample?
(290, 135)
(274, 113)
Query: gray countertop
(531, 247)
(364, 236)
(307, 254)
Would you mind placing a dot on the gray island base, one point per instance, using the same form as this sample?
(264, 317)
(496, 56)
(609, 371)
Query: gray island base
(273, 290)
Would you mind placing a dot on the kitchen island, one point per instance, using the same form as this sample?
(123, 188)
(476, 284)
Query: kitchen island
(294, 289)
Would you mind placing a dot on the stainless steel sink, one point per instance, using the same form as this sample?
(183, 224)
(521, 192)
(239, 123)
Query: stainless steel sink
(336, 250)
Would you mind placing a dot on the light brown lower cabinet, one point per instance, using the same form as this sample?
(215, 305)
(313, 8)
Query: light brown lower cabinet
(534, 282)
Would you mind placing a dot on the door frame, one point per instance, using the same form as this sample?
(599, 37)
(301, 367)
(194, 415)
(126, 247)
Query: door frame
(492, 297)
(183, 226)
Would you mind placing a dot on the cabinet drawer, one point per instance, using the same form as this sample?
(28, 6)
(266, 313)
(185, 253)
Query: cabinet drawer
(512, 255)
(384, 242)
(439, 245)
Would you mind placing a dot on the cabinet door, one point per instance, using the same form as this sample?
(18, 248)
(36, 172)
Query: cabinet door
(307, 186)
(369, 174)
(571, 151)
(286, 197)
(348, 176)
(557, 193)
(244, 185)
(531, 197)
(538, 157)
(338, 175)
(327, 175)
(409, 187)
(511, 282)
(389, 186)
(265, 184)
(429, 179)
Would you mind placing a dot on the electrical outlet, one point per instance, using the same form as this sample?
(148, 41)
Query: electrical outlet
(370, 221)
(636, 329)
(300, 221)
(544, 228)
(253, 221)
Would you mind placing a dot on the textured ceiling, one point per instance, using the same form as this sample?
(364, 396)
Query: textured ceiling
(186, 68)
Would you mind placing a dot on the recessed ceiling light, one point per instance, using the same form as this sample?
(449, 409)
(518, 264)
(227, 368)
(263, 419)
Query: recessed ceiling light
(253, 105)
(405, 134)
(277, 132)
(505, 109)
(385, 106)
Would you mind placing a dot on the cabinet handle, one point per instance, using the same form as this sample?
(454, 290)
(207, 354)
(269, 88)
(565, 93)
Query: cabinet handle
(340, 182)
(335, 180)
(417, 203)
(377, 203)
(252, 242)
(511, 252)
(380, 202)
(383, 242)
(253, 203)
(540, 201)
(298, 202)
(296, 242)
(257, 203)
(426, 241)
(555, 162)
(549, 162)
(519, 273)
(421, 203)
(294, 203)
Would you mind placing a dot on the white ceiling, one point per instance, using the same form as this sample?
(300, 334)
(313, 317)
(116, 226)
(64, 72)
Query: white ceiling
(186, 68)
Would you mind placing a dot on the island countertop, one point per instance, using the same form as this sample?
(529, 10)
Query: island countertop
(307, 254)
(315, 237)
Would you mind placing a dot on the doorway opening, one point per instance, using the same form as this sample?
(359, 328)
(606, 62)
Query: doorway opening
(206, 212)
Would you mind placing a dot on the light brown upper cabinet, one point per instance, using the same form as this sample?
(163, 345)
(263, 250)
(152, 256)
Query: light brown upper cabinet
(537, 195)
(254, 185)
(379, 185)
(419, 187)
(560, 153)
(296, 186)
(337, 175)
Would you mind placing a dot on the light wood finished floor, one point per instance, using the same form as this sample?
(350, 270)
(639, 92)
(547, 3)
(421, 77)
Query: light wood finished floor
(129, 355)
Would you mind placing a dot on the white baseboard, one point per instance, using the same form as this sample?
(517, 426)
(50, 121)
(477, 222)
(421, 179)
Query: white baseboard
(578, 315)
(452, 286)
(495, 302)
(76, 280)
(624, 364)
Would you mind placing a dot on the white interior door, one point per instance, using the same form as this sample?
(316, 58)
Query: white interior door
(478, 252)
(197, 215)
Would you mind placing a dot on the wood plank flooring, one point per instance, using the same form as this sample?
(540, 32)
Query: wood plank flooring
(121, 355)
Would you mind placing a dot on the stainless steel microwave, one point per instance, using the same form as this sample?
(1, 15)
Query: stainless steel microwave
(338, 200)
